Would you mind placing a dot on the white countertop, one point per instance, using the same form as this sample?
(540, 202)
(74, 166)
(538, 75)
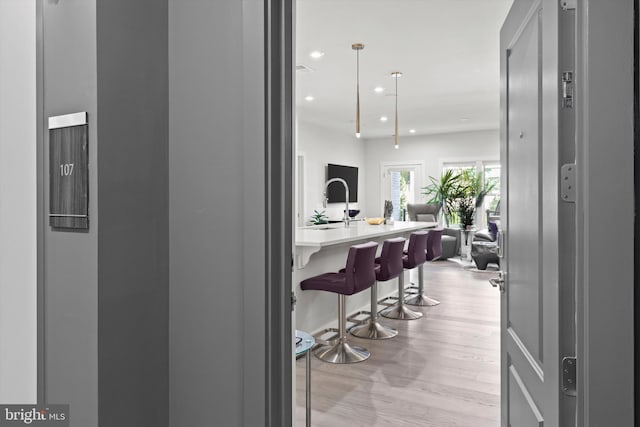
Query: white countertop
(334, 234)
(311, 239)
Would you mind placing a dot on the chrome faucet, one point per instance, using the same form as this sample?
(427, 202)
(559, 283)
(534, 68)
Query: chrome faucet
(346, 200)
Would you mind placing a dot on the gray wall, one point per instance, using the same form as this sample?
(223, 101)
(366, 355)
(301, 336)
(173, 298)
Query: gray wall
(605, 275)
(133, 239)
(106, 290)
(71, 259)
(18, 310)
(636, 182)
(217, 209)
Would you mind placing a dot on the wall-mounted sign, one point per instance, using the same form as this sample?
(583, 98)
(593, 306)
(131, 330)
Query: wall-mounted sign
(69, 171)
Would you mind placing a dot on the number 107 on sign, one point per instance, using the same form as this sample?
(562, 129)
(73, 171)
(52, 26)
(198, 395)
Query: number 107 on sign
(66, 169)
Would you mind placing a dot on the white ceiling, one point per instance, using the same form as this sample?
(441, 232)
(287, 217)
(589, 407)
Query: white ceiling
(447, 50)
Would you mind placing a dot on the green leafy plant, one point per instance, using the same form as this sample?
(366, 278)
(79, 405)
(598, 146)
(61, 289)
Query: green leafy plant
(319, 218)
(465, 208)
(445, 191)
(480, 189)
(460, 193)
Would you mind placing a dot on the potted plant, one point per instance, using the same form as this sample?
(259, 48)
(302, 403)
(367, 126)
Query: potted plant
(465, 208)
(476, 188)
(319, 218)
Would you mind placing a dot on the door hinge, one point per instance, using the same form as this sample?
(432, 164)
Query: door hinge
(567, 89)
(568, 183)
(569, 376)
(568, 4)
(294, 300)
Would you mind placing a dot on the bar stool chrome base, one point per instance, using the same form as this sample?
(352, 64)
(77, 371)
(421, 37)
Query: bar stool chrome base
(401, 312)
(337, 349)
(342, 352)
(373, 330)
(421, 300)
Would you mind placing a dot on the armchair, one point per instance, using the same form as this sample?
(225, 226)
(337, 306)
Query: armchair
(488, 235)
(484, 248)
(423, 211)
(450, 243)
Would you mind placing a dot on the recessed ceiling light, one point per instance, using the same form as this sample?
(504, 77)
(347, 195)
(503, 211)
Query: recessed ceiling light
(309, 98)
(412, 131)
(378, 89)
(316, 54)
(383, 119)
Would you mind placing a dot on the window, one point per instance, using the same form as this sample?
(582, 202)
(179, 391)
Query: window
(492, 176)
(489, 176)
(460, 167)
(400, 183)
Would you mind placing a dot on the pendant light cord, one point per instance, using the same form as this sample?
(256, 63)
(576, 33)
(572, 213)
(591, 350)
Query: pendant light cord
(357, 47)
(396, 133)
(357, 92)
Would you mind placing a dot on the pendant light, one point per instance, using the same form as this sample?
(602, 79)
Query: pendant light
(357, 47)
(396, 75)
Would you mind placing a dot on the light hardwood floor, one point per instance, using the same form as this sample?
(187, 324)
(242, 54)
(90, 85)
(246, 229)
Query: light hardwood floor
(441, 370)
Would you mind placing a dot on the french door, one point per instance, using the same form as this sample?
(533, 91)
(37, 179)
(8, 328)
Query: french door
(400, 183)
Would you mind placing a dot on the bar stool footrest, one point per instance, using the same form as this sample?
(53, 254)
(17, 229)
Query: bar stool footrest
(412, 288)
(352, 318)
(388, 301)
(332, 340)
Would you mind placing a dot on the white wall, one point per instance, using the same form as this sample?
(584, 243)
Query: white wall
(432, 150)
(18, 295)
(320, 146)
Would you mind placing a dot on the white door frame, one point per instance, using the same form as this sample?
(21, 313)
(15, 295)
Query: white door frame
(605, 317)
(299, 183)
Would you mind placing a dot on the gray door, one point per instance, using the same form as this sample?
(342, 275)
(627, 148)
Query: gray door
(531, 304)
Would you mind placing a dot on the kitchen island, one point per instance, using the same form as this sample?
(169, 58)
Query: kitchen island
(324, 248)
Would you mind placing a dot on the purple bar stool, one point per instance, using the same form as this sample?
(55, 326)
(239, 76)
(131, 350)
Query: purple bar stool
(391, 266)
(358, 275)
(416, 256)
(434, 250)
